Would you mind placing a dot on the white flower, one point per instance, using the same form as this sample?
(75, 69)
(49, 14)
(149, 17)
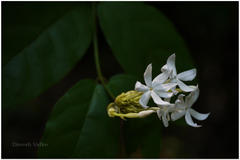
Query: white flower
(154, 89)
(163, 112)
(184, 108)
(171, 71)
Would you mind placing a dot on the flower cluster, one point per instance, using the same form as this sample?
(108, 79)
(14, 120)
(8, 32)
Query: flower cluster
(168, 84)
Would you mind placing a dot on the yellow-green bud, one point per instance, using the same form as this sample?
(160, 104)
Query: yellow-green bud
(129, 102)
(111, 110)
(126, 105)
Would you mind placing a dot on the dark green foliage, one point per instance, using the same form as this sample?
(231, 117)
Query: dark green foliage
(140, 34)
(121, 83)
(79, 126)
(99, 136)
(48, 59)
(68, 117)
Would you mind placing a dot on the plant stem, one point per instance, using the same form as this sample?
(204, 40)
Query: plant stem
(96, 53)
(97, 62)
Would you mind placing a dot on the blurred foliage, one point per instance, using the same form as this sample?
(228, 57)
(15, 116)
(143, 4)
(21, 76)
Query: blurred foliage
(78, 126)
(100, 134)
(25, 28)
(139, 34)
(48, 59)
(66, 120)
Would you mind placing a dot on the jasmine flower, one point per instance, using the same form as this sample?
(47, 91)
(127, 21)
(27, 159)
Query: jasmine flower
(170, 70)
(155, 89)
(184, 108)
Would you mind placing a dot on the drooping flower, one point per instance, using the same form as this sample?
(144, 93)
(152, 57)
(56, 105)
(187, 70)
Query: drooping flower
(164, 111)
(154, 88)
(184, 108)
(170, 70)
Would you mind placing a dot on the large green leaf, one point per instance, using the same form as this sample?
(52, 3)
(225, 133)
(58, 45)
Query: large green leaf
(79, 126)
(48, 59)
(21, 28)
(140, 34)
(66, 120)
(99, 136)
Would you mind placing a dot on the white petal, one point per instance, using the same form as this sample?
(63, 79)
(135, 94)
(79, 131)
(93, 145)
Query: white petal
(140, 87)
(187, 75)
(168, 86)
(164, 119)
(177, 115)
(180, 97)
(165, 69)
(193, 87)
(167, 99)
(144, 99)
(179, 103)
(159, 114)
(165, 87)
(148, 75)
(157, 99)
(184, 87)
(174, 80)
(171, 64)
(171, 108)
(164, 94)
(189, 120)
(192, 97)
(143, 114)
(161, 78)
(197, 115)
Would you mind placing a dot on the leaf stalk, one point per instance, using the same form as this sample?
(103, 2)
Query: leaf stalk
(96, 53)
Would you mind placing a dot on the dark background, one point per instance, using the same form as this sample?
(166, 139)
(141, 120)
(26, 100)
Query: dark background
(210, 30)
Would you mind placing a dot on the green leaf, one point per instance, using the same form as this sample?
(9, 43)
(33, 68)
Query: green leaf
(79, 126)
(121, 83)
(48, 59)
(21, 28)
(140, 34)
(66, 120)
(100, 134)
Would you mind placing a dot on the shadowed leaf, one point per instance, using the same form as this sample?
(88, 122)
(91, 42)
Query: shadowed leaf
(48, 59)
(140, 34)
(79, 126)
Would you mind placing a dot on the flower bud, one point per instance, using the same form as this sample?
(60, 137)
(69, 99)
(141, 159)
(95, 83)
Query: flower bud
(129, 102)
(126, 105)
